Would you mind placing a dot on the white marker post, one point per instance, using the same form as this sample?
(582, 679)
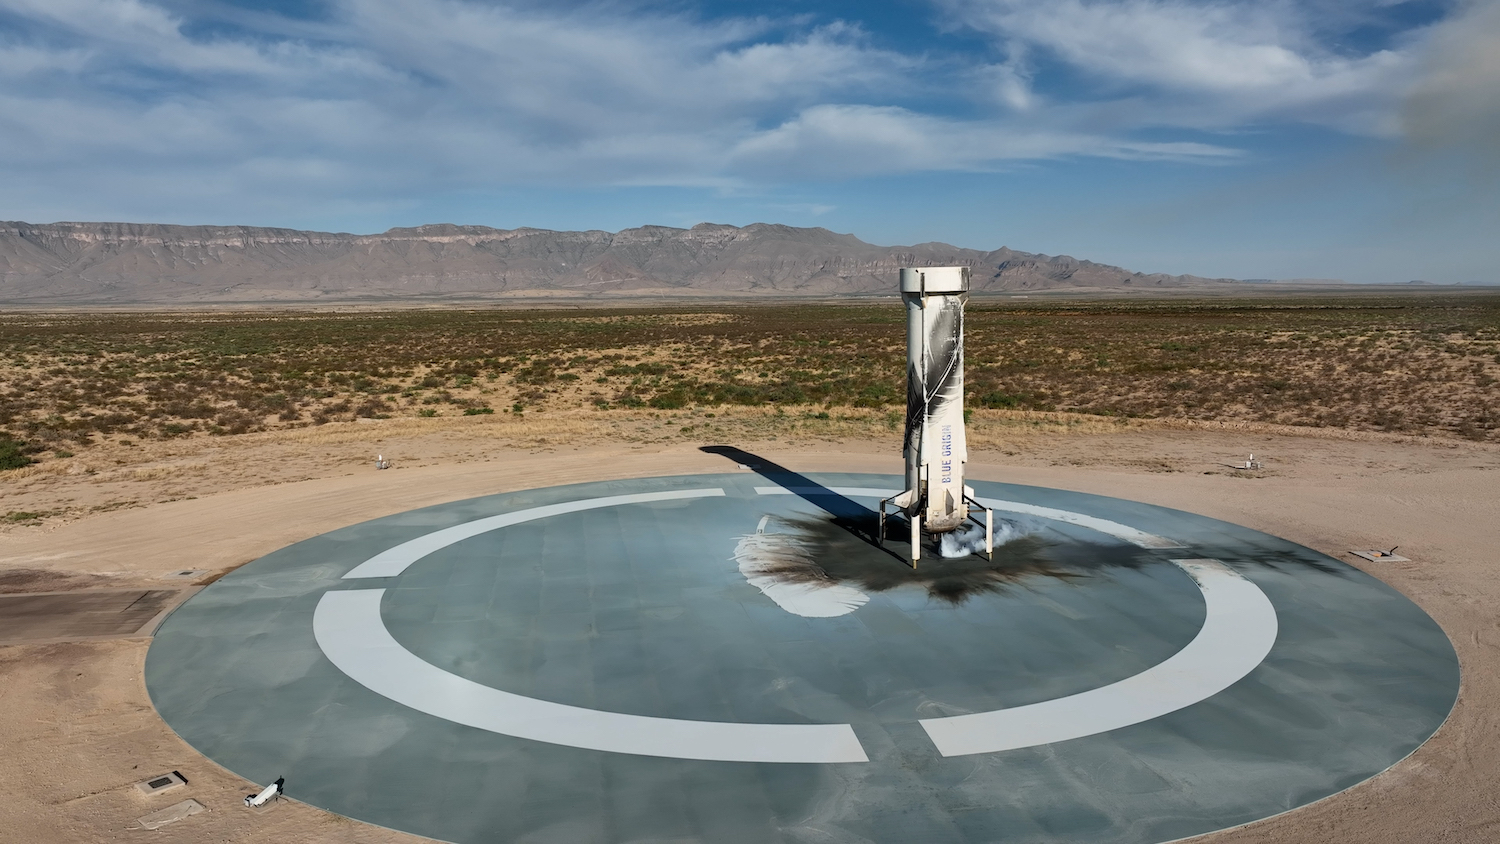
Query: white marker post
(264, 797)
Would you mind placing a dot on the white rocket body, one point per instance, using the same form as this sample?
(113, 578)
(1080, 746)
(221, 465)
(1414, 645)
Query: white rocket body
(935, 446)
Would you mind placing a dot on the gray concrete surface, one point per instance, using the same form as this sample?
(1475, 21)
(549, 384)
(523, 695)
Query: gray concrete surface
(640, 609)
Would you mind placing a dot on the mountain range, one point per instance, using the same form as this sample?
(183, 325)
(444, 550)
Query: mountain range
(135, 263)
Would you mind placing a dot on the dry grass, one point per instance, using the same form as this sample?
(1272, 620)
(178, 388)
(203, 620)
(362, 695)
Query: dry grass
(76, 382)
(111, 476)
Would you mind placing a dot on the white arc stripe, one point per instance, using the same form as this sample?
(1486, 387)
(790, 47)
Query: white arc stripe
(1239, 629)
(349, 629)
(394, 561)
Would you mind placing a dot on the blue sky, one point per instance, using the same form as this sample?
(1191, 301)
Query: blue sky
(1355, 139)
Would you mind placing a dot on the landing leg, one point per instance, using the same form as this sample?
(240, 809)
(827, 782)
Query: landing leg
(916, 540)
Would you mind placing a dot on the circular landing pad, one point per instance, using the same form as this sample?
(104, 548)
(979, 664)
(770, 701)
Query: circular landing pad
(736, 658)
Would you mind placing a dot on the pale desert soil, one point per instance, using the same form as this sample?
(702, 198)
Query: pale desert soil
(77, 728)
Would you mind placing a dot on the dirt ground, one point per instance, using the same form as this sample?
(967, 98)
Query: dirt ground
(77, 729)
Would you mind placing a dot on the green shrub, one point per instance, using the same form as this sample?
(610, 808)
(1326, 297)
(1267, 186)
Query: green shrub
(999, 401)
(14, 453)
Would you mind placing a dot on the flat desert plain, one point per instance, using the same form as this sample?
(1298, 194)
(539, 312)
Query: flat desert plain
(77, 729)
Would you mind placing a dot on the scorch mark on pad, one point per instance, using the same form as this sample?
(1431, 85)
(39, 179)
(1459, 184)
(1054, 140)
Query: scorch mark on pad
(766, 560)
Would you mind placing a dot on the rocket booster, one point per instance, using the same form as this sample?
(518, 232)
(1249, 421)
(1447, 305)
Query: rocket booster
(935, 446)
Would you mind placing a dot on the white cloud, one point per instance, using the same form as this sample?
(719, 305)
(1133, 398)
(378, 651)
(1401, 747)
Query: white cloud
(19, 62)
(848, 141)
(1009, 84)
(1213, 65)
(149, 35)
(570, 71)
(1455, 103)
(126, 104)
(388, 95)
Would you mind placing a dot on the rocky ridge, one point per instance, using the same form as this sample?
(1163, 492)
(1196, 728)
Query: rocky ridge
(135, 263)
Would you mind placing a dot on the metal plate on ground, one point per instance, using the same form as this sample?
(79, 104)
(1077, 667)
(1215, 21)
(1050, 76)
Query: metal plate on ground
(165, 782)
(712, 658)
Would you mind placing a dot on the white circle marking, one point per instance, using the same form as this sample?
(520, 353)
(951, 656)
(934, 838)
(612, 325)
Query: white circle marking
(1239, 629)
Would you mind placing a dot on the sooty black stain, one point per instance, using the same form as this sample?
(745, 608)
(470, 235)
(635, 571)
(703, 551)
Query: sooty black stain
(834, 554)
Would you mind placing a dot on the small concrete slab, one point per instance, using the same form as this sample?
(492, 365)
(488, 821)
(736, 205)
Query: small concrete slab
(62, 616)
(171, 814)
(1376, 556)
(165, 782)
